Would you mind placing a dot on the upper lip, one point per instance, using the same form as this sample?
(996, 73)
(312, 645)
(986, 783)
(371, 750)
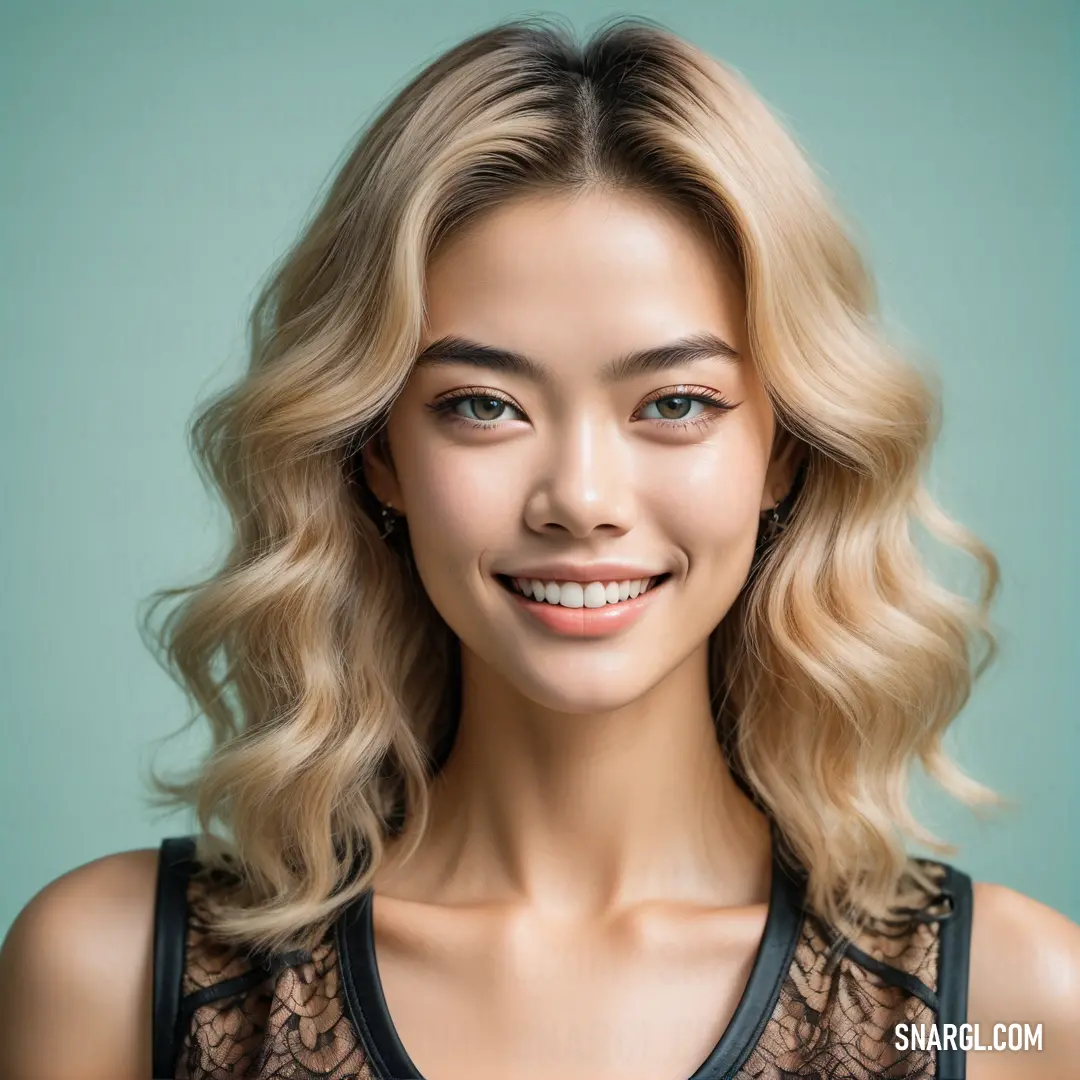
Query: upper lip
(584, 572)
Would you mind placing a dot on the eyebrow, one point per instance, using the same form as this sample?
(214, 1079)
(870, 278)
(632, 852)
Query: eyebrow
(453, 349)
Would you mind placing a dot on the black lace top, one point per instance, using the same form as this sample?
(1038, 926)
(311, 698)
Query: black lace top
(815, 1006)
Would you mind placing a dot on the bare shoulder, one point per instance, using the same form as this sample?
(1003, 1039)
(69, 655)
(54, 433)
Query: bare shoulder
(1025, 969)
(76, 973)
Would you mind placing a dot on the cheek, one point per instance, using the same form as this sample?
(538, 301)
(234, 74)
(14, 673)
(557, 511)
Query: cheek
(459, 503)
(711, 501)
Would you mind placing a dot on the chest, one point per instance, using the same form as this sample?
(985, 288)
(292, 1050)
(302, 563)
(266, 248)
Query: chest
(444, 999)
(484, 997)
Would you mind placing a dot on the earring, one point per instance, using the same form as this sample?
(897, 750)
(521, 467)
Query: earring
(772, 524)
(389, 520)
(776, 519)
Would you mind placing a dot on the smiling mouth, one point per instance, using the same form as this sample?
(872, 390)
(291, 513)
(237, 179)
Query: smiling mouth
(575, 594)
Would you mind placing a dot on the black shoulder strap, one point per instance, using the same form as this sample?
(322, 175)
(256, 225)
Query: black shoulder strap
(954, 954)
(175, 863)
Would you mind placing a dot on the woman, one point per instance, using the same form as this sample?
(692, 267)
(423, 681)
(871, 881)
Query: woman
(572, 651)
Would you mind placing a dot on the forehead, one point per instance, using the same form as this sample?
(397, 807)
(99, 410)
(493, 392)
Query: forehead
(589, 273)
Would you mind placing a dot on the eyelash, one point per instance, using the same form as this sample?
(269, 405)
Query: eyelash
(717, 403)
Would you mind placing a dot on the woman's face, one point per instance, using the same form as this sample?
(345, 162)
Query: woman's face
(584, 417)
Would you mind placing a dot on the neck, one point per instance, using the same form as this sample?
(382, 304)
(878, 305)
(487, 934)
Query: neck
(590, 812)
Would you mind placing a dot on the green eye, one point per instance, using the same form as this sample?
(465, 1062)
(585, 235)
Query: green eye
(484, 408)
(481, 410)
(673, 407)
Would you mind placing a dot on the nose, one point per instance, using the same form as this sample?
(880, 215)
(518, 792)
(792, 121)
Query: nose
(584, 482)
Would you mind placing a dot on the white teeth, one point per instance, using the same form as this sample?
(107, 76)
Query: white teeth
(572, 594)
(595, 594)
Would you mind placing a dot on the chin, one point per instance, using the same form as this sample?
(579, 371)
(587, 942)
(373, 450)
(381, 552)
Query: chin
(594, 688)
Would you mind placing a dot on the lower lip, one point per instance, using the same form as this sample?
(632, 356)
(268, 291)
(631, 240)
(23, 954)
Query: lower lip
(586, 622)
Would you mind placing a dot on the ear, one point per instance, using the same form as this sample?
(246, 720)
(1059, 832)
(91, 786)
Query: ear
(379, 470)
(780, 476)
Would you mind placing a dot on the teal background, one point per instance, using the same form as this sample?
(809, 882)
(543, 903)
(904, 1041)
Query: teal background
(158, 157)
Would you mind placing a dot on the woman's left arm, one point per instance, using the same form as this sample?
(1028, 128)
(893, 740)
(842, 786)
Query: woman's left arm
(1025, 969)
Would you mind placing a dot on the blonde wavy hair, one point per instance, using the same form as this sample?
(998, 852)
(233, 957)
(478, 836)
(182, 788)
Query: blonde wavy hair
(329, 680)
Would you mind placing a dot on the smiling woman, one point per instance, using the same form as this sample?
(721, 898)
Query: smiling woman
(580, 465)
(573, 650)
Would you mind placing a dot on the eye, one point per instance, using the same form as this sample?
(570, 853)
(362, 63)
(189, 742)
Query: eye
(683, 407)
(675, 407)
(481, 409)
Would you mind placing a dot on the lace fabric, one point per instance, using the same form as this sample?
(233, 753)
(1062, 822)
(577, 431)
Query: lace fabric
(838, 1006)
(835, 1019)
(842, 1000)
(245, 1021)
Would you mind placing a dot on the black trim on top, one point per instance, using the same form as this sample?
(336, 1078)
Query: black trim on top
(771, 965)
(354, 935)
(954, 956)
(355, 939)
(175, 863)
